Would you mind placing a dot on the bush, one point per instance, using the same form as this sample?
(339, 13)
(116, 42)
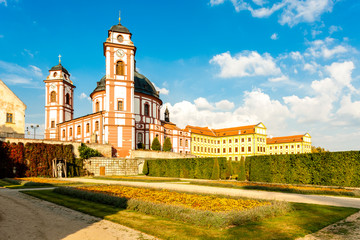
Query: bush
(215, 175)
(327, 168)
(167, 146)
(146, 168)
(86, 152)
(155, 145)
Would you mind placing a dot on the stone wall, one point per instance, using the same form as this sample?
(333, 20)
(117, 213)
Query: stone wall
(143, 154)
(104, 149)
(99, 166)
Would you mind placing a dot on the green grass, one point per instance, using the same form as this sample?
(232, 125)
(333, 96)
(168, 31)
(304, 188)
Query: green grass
(354, 193)
(305, 219)
(16, 184)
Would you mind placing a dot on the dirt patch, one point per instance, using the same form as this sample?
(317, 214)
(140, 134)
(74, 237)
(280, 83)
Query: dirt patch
(26, 217)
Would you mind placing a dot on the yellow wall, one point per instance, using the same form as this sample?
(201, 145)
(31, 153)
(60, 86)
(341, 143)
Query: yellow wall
(10, 103)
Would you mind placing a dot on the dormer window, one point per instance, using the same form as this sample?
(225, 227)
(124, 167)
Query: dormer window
(120, 38)
(55, 74)
(120, 68)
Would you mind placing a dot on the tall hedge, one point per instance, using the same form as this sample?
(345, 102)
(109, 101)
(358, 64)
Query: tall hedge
(328, 168)
(35, 159)
(200, 168)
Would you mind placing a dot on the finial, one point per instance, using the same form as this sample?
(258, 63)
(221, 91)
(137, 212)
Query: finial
(59, 59)
(119, 16)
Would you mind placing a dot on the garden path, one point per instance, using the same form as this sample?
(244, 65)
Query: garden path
(289, 197)
(26, 217)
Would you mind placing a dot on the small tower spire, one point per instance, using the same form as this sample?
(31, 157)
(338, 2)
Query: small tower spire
(59, 59)
(167, 115)
(119, 16)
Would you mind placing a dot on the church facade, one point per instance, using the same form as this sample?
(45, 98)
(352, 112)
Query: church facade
(126, 105)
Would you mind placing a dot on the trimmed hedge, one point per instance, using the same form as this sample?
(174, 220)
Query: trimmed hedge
(328, 168)
(34, 159)
(200, 168)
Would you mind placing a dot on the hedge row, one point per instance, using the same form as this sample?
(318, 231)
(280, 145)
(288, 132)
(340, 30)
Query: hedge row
(329, 168)
(35, 159)
(200, 168)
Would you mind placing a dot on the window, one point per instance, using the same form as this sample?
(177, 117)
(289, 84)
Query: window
(229, 140)
(242, 149)
(146, 109)
(96, 125)
(88, 127)
(63, 133)
(140, 137)
(280, 147)
(218, 150)
(55, 74)
(120, 68)
(198, 149)
(249, 139)
(218, 141)
(186, 143)
(9, 117)
(270, 148)
(292, 146)
(205, 140)
(67, 98)
(202, 149)
(194, 139)
(230, 150)
(275, 147)
(70, 132)
(236, 140)
(78, 130)
(223, 141)
(249, 149)
(53, 96)
(224, 150)
(236, 158)
(287, 147)
(120, 105)
(52, 124)
(198, 139)
(230, 158)
(180, 142)
(205, 149)
(298, 146)
(97, 106)
(242, 139)
(236, 149)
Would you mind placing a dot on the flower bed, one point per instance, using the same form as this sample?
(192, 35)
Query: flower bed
(194, 201)
(140, 178)
(42, 180)
(205, 210)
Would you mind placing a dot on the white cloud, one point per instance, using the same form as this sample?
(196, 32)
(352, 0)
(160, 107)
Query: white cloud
(312, 67)
(13, 73)
(202, 104)
(349, 108)
(4, 2)
(163, 91)
(245, 64)
(293, 11)
(314, 33)
(279, 79)
(28, 52)
(296, 55)
(224, 105)
(333, 29)
(327, 48)
(84, 96)
(274, 36)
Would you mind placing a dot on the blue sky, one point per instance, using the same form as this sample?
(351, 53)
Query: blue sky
(293, 65)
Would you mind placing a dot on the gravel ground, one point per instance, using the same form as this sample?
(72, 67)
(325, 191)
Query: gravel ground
(29, 218)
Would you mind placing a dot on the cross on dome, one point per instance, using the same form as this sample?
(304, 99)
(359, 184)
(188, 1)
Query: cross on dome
(59, 58)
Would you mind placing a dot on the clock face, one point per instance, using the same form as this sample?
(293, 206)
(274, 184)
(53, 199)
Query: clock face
(120, 53)
(120, 38)
(52, 86)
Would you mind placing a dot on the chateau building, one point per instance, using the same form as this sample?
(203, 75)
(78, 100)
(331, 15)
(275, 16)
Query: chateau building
(12, 113)
(126, 114)
(126, 105)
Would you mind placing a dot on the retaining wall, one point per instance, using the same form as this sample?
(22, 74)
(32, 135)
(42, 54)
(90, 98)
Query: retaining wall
(100, 166)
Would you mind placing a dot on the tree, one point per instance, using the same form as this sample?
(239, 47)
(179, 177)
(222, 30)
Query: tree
(86, 152)
(167, 145)
(155, 145)
(318, 149)
(242, 174)
(216, 170)
(146, 168)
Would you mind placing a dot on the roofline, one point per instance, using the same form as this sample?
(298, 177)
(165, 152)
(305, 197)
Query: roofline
(13, 93)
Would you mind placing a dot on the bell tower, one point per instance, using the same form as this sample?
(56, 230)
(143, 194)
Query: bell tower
(119, 120)
(59, 100)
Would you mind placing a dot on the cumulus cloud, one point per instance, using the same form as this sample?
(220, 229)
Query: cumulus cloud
(245, 64)
(203, 104)
(349, 108)
(292, 12)
(274, 36)
(163, 91)
(13, 73)
(279, 79)
(224, 105)
(84, 96)
(333, 29)
(327, 48)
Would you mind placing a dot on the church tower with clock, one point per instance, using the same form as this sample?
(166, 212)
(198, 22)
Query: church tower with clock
(59, 100)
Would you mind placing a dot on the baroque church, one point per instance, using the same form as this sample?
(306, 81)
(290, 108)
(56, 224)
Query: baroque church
(125, 104)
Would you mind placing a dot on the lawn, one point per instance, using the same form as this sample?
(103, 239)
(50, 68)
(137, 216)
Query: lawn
(305, 219)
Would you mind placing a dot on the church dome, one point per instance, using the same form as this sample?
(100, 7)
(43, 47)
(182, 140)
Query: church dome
(59, 67)
(142, 85)
(119, 28)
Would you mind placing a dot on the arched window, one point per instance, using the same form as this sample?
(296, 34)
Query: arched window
(146, 109)
(88, 127)
(70, 132)
(53, 96)
(67, 98)
(96, 125)
(97, 106)
(120, 68)
(63, 133)
(78, 130)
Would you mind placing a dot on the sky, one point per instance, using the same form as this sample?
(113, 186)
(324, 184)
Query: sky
(291, 64)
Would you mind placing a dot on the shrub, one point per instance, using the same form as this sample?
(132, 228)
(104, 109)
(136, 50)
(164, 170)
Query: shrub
(215, 171)
(146, 168)
(155, 145)
(167, 146)
(86, 152)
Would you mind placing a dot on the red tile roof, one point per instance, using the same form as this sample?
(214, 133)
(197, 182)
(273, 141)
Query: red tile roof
(285, 139)
(223, 131)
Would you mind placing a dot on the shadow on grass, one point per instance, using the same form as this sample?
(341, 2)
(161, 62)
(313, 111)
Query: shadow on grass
(305, 219)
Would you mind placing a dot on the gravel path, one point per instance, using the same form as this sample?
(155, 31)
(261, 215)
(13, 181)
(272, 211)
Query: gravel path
(29, 218)
(289, 197)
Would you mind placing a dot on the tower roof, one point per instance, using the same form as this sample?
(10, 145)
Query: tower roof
(119, 28)
(59, 67)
